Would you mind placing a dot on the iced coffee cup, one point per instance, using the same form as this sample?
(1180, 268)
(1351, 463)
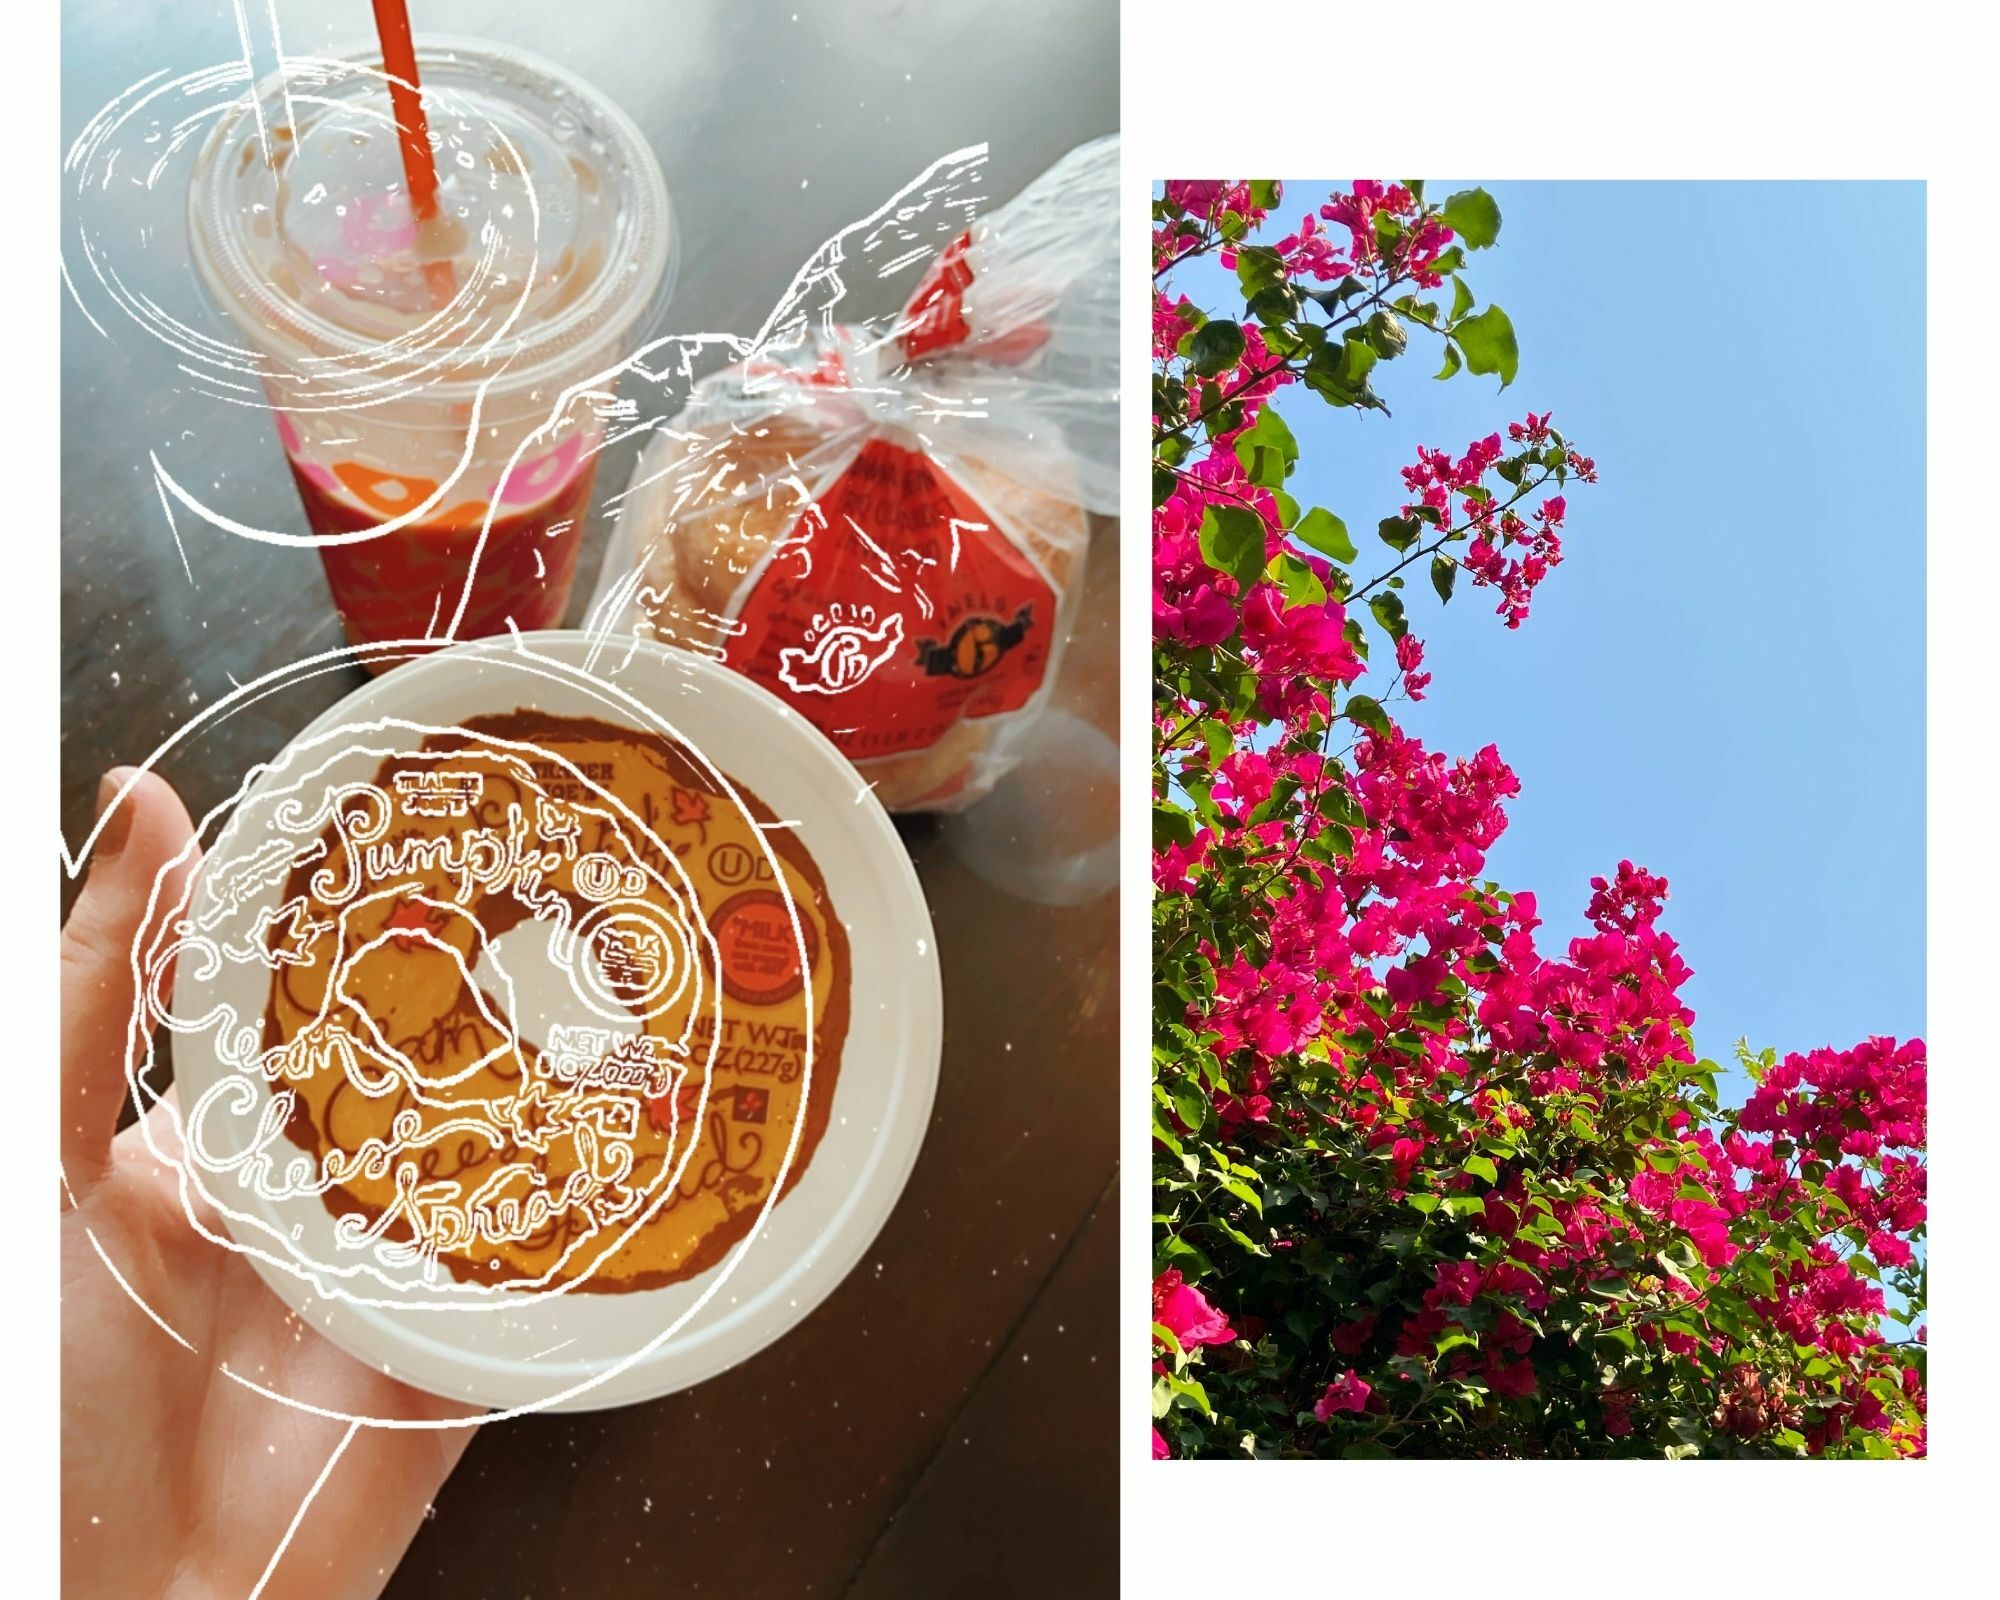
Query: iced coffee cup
(427, 360)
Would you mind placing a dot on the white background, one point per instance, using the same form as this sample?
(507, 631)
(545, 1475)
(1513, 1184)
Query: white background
(1554, 90)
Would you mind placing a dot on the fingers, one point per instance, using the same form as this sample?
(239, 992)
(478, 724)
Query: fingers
(143, 832)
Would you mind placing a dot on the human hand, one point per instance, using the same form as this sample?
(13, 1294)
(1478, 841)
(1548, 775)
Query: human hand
(177, 1480)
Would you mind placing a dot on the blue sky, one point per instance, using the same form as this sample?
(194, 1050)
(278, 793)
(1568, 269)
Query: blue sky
(1724, 682)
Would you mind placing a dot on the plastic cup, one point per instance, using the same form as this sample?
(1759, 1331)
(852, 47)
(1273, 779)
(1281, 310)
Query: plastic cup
(576, 1351)
(430, 380)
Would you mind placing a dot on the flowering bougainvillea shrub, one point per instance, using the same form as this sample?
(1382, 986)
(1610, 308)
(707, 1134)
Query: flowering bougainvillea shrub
(1422, 1185)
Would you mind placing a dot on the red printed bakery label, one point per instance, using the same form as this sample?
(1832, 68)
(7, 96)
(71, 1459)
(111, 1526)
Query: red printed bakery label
(895, 608)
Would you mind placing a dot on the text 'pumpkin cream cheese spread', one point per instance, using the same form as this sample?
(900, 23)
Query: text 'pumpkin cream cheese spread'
(622, 1138)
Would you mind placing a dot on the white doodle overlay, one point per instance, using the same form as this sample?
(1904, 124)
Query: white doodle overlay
(664, 959)
(843, 649)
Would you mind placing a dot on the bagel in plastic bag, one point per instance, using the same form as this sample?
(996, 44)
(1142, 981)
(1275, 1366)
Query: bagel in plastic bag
(886, 524)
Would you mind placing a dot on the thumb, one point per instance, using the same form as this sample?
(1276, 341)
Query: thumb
(145, 842)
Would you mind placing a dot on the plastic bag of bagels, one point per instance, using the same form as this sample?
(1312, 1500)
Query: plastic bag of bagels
(885, 524)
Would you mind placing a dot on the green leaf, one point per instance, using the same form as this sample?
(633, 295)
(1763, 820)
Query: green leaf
(1451, 363)
(1177, 1249)
(1326, 533)
(1276, 304)
(1163, 484)
(1399, 533)
(1388, 229)
(1339, 373)
(1461, 298)
(1482, 1167)
(1474, 216)
(1331, 300)
(1171, 826)
(1217, 346)
(1444, 572)
(1232, 541)
(1245, 1193)
(1193, 1391)
(1226, 418)
(1388, 609)
(1367, 713)
(1489, 344)
(1269, 435)
(1300, 583)
(1258, 267)
(1386, 336)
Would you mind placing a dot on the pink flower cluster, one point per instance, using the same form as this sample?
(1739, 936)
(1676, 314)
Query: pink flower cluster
(1172, 322)
(1184, 1311)
(1206, 201)
(1858, 1100)
(1424, 238)
(1346, 1393)
(1207, 198)
(1517, 577)
(1310, 253)
(1608, 1012)
(1445, 487)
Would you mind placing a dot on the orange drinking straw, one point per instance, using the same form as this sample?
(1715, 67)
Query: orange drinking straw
(413, 134)
(399, 60)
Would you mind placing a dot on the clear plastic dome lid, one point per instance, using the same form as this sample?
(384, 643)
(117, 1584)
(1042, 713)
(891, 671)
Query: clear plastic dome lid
(552, 230)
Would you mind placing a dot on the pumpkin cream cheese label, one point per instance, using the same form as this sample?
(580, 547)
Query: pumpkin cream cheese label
(541, 1009)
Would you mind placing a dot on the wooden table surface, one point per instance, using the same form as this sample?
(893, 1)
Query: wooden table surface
(945, 1421)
